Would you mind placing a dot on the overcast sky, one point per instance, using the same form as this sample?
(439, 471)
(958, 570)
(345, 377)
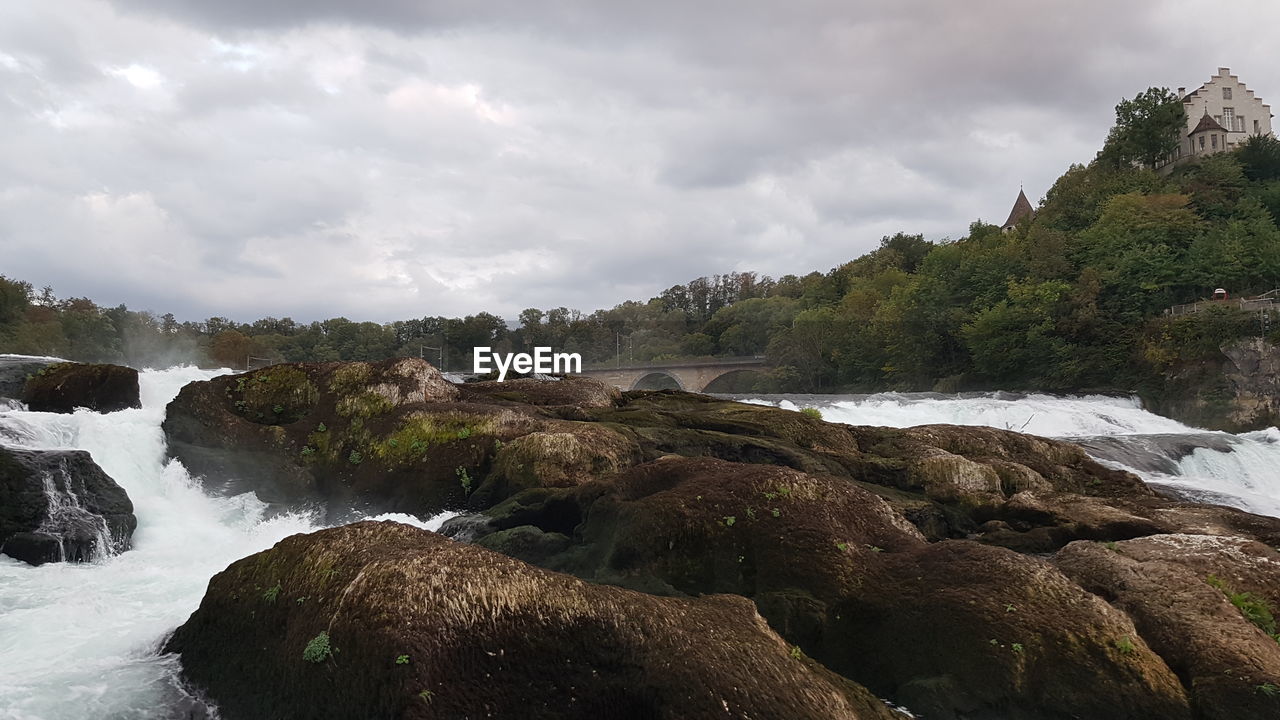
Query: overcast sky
(387, 159)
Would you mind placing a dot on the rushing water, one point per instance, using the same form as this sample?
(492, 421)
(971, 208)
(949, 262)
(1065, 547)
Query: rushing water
(1236, 470)
(79, 640)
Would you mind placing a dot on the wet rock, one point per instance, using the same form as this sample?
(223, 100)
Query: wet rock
(63, 387)
(14, 372)
(60, 506)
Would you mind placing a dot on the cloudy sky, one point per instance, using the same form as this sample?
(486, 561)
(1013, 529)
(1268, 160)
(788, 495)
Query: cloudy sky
(386, 159)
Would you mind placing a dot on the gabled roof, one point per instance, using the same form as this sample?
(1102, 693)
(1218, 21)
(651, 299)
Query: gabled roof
(1021, 209)
(1207, 123)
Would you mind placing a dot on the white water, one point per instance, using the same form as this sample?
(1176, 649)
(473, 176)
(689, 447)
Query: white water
(79, 640)
(1238, 470)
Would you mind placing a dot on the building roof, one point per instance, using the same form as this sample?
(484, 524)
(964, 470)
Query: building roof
(1021, 209)
(1207, 123)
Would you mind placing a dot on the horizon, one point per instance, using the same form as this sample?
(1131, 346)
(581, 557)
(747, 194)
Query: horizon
(387, 162)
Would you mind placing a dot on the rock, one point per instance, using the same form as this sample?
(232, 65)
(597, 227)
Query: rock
(390, 436)
(14, 371)
(63, 387)
(1179, 590)
(1237, 390)
(572, 391)
(386, 620)
(958, 629)
(59, 505)
(836, 570)
(566, 454)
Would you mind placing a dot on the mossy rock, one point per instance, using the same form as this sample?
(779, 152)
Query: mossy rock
(278, 395)
(399, 622)
(63, 387)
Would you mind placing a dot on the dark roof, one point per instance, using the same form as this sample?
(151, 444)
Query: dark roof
(1207, 123)
(1021, 209)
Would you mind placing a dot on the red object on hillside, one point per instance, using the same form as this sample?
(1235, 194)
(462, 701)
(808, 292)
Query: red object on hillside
(1219, 294)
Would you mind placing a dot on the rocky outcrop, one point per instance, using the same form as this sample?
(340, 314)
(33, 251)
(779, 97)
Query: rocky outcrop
(385, 620)
(60, 506)
(954, 628)
(63, 387)
(15, 370)
(913, 561)
(1236, 390)
(1205, 603)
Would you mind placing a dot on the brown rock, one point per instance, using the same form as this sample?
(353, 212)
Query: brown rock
(1178, 589)
(385, 620)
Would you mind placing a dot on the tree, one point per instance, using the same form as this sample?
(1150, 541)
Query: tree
(1148, 128)
(230, 348)
(1259, 157)
(15, 298)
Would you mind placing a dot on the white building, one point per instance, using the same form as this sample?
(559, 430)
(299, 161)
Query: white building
(1220, 114)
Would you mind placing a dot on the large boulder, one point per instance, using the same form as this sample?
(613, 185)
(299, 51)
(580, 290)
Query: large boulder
(63, 387)
(60, 506)
(1206, 603)
(16, 369)
(384, 620)
(950, 629)
(388, 436)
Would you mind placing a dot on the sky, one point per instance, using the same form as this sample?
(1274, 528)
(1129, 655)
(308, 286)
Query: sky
(389, 159)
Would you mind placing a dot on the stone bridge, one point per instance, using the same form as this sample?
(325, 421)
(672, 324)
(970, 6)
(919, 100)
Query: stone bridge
(691, 375)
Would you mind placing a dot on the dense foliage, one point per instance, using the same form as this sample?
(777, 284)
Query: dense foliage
(1073, 299)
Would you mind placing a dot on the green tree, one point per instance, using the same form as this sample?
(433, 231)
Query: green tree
(1259, 157)
(1148, 128)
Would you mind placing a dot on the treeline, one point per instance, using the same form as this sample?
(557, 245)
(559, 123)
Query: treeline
(1072, 299)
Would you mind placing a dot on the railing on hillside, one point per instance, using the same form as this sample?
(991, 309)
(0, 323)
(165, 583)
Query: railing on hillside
(1266, 301)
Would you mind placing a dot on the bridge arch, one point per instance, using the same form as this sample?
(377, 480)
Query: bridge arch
(733, 381)
(690, 375)
(657, 380)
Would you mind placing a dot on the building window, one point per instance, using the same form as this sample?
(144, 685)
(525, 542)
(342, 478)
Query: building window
(1229, 118)
(1226, 93)
(1201, 142)
(1255, 127)
(1214, 139)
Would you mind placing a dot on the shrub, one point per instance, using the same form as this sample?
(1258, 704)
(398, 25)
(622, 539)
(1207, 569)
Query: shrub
(318, 649)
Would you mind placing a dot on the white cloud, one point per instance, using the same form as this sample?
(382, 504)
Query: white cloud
(395, 158)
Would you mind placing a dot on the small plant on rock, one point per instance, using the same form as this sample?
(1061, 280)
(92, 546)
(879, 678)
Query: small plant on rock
(272, 593)
(318, 649)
